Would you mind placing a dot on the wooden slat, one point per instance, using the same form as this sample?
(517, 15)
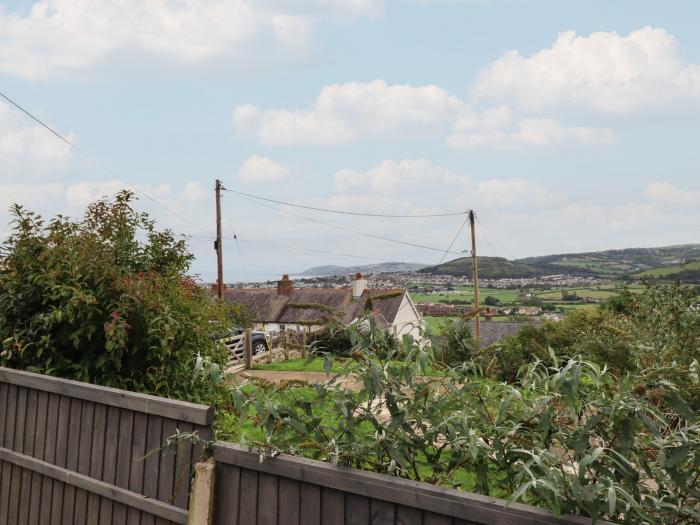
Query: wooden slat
(289, 499)
(87, 422)
(60, 459)
(7, 441)
(97, 447)
(4, 425)
(106, 490)
(18, 445)
(179, 410)
(183, 468)
(136, 474)
(356, 510)
(267, 500)
(166, 477)
(29, 432)
(76, 409)
(124, 445)
(332, 507)
(38, 452)
(227, 486)
(152, 462)
(431, 518)
(54, 403)
(408, 516)
(382, 512)
(448, 502)
(109, 465)
(248, 503)
(310, 505)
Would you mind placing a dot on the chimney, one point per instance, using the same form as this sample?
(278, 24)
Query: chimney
(285, 286)
(358, 285)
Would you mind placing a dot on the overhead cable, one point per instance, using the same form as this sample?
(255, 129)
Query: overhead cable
(449, 248)
(350, 230)
(342, 212)
(131, 186)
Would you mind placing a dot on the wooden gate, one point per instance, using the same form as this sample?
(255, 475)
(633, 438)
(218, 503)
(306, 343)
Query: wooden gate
(77, 453)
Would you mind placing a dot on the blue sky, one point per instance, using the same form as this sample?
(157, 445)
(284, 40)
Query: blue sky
(566, 126)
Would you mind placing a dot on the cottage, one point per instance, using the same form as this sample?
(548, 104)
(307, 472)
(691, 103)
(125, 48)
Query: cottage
(287, 307)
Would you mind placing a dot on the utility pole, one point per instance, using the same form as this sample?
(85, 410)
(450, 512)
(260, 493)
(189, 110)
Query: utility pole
(475, 277)
(217, 245)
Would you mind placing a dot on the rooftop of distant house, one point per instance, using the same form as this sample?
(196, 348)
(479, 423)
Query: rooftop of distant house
(286, 304)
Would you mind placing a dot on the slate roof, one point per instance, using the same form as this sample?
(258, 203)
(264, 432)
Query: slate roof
(310, 305)
(493, 331)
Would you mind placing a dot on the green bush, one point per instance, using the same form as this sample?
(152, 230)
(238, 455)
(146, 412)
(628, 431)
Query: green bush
(571, 436)
(106, 299)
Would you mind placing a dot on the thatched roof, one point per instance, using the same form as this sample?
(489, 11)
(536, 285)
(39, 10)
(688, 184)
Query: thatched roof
(316, 305)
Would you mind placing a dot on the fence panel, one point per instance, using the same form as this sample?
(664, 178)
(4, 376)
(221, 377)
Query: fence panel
(72, 452)
(289, 490)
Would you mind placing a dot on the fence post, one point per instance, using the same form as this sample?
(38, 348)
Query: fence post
(248, 355)
(202, 495)
(303, 343)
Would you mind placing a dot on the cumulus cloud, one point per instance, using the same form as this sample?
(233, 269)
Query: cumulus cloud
(392, 176)
(63, 36)
(529, 133)
(604, 71)
(26, 148)
(256, 170)
(667, 193)
(344, 112)
(516, 192)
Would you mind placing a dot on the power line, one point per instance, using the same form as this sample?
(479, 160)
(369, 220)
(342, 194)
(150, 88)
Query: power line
(350, 230)
(461, 227)
(64, 139)
(342, 212)
(513, 258)
(308, 250)
(295, 248)
(35, 119)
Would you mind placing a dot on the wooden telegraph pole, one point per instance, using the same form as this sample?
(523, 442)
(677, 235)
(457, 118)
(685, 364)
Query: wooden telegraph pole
(217, 245)
(475, 277)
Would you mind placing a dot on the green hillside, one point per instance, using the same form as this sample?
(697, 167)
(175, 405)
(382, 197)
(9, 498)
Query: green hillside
(491, 268)
(618, 263)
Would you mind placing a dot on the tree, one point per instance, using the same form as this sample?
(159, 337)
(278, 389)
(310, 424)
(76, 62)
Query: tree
(492, 301)
(106, 299)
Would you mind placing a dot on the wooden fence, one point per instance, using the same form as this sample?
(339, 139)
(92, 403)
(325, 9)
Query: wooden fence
(289, 490)
(72, 452)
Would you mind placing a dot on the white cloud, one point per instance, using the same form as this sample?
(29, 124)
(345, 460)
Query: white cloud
(63, 36)
(603, 71)
(391, 177)
(515, 193)
(27, 148)
(344, 112)
(667, 193)
(256, 170)
(529, 133)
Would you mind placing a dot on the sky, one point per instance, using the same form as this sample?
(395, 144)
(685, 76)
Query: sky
(566, 126)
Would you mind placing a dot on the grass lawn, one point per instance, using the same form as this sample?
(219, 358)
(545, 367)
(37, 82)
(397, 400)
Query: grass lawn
(314, 364)
(434, 323)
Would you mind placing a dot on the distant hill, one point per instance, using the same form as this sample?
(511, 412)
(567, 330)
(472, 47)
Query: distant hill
(618, 263)
(388, 267)
(688, 273)
(492, 268)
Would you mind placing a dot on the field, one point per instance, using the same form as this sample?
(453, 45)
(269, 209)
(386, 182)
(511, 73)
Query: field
(466, 293)
(668, 270)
